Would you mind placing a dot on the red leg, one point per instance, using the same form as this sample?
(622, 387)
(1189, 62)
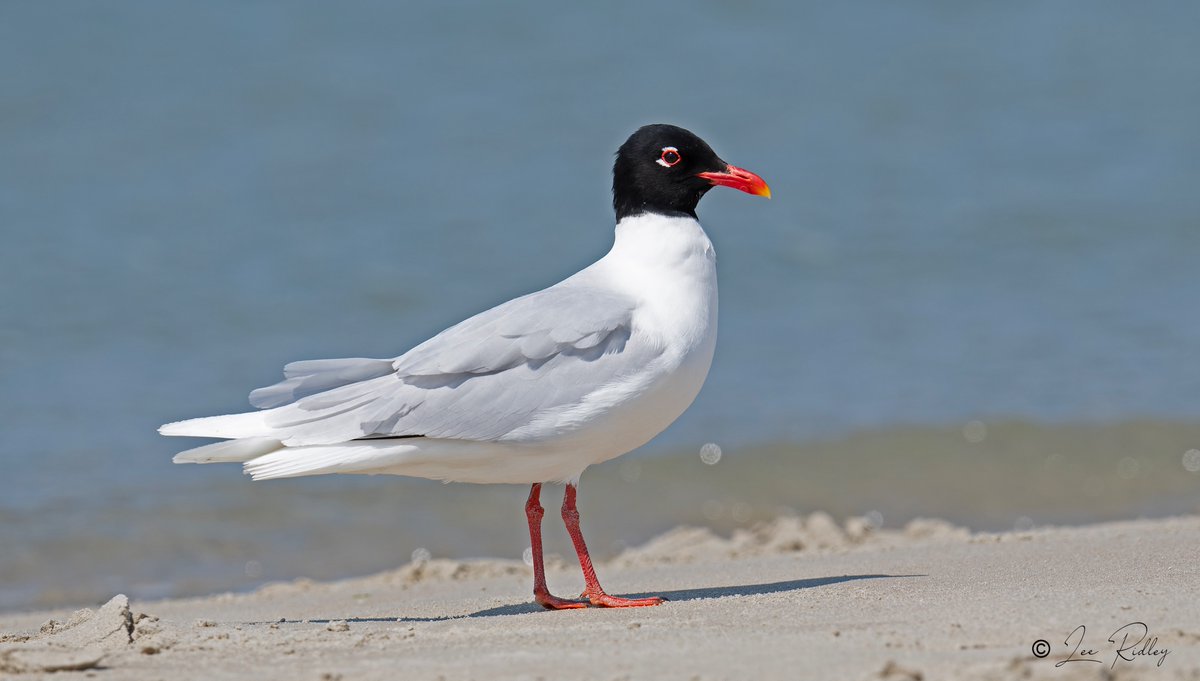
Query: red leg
(534, 512)
(593, 592)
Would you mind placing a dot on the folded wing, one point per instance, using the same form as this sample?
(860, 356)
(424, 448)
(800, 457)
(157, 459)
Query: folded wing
(513, 372)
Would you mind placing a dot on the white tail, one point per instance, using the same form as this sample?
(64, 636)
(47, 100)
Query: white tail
(230, 451)
(364, 456)
(231, 426)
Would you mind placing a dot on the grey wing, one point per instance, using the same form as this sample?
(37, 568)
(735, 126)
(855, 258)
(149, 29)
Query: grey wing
(483, 379)
(312, 376)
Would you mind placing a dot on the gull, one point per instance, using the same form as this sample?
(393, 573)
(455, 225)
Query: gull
(534, 390)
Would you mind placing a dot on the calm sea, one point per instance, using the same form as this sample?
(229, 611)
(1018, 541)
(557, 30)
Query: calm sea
(983, 213)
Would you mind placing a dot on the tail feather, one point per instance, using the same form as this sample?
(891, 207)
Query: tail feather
(352, 457)
(230, 426)
(229, 451)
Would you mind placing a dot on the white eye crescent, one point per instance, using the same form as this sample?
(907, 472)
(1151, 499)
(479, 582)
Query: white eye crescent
(670, 156)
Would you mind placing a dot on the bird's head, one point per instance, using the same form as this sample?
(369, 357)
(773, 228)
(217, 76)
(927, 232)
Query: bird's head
(666, 169)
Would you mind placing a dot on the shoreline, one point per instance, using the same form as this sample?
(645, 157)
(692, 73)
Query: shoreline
(188, 531)
(796, 597)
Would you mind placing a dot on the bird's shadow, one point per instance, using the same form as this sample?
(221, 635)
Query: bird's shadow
(672, 596)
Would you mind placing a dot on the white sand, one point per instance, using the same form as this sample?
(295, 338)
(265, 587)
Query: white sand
(795, 599)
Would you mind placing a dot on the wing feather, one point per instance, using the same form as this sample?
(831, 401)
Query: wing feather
(313, 376)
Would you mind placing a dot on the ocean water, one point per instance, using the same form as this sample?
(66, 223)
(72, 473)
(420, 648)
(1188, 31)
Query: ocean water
(982, 215)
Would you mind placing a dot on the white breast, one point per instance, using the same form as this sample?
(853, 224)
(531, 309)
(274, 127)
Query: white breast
(668, 264)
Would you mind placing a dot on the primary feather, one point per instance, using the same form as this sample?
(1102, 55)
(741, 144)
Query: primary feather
(312, 376)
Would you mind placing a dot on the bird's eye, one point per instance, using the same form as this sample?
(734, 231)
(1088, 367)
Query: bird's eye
(670, 156)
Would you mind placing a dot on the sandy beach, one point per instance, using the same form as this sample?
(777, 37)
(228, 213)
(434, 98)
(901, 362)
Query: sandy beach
(793, 598)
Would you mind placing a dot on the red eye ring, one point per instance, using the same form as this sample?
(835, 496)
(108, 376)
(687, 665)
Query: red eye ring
(670, 157)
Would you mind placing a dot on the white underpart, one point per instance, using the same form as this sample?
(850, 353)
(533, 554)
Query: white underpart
(604, 361)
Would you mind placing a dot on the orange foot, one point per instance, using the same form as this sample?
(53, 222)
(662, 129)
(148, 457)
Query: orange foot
(550, 602)
(605, 601)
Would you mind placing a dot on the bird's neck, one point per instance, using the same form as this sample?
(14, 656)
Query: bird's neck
(630, 205)
(660, 240)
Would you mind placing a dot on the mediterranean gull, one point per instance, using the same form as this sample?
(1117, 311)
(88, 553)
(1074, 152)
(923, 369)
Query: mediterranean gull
(534, 390)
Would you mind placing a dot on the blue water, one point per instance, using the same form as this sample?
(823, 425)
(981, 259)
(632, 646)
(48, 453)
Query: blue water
(980, 210)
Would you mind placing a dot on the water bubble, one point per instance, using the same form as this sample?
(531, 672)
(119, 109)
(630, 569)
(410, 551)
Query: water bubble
(1191, 460)
(713, 510)
(1128, 468)
(1023, 524)
(527, 556)
(874, 519)
(741, 511)
(975, 431)
(253, 569)
(421, 555)
(630, 471)
(710, 453)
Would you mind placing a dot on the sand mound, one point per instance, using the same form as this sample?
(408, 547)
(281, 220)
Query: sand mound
(81, 642)
(785, 534)
(452, 570)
